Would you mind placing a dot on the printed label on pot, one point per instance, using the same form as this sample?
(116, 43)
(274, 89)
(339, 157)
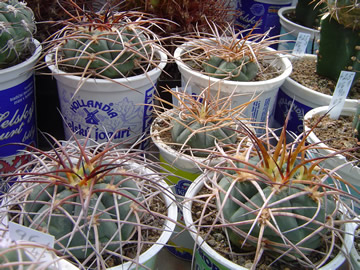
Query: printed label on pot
(284, 102)
(119, 116)
(262, 15)
(204, 262)
(17, 123)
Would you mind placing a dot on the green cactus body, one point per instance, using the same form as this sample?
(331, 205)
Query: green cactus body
(17, 27)
(200, 135)
(105, 206)
(237, 70)
(308, 13)
(106, 52)
(286, 221)
(344, 54)
(339, 47)
(14, 256)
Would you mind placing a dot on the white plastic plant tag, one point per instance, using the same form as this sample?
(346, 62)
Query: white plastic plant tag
(342, 88)
(301, 44)
(19, 232)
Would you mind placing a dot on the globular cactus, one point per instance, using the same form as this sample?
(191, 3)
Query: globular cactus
(111, 53)
(274, 199)
(236, 70)
(226, 53)
(201, 121)
(17, 27)
(342, 24)
(105, 44)
(98, 201)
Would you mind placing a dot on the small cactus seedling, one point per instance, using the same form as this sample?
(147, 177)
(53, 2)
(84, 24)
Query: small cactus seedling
(275, 200)
(200, 122)
(226, 53)
(98, 201)
(341, 24)
(17, 26)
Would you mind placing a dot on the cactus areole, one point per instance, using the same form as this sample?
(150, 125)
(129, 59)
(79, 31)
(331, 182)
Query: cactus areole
(17, 27)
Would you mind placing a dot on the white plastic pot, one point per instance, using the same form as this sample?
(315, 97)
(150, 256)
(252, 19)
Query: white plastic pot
(354, 254)
(121, 106)
(347, 171)
(290, 31)
(267, 90)
(185, 169)
(208, 259)
(303, 99)
(17, 111)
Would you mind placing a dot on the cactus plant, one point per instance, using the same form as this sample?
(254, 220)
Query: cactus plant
(97, 201)
(226, 53)
(17, 26)
(200, 122)
(275, 200)
(340, 23)
(309, 12)
(105, 44)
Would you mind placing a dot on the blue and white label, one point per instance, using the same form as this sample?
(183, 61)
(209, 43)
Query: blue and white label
(120, 116)
(17, 123)
(283, 105)
(263, 15)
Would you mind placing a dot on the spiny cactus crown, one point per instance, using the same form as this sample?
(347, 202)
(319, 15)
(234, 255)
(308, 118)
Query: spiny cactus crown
(17, 27)
(277, 199)
(111, 45)
(90, 198)
(201, 121)
(226, 53)
(346, 12)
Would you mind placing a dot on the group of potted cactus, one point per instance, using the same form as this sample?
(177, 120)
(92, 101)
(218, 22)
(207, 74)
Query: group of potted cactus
(243, 191)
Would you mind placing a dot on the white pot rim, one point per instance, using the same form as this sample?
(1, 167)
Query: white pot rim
(294, 87)
(191, 193)
(312, 136)
(27, 62)
(283, 58)
(151, 73)
(299, 27)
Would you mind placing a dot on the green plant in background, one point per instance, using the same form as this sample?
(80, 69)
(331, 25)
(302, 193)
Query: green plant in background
(99, 201)
(309, 12)
(275, 200)
(199, 122)
(341, 24)
(226, 53)
(17, 27)
(187, 15)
